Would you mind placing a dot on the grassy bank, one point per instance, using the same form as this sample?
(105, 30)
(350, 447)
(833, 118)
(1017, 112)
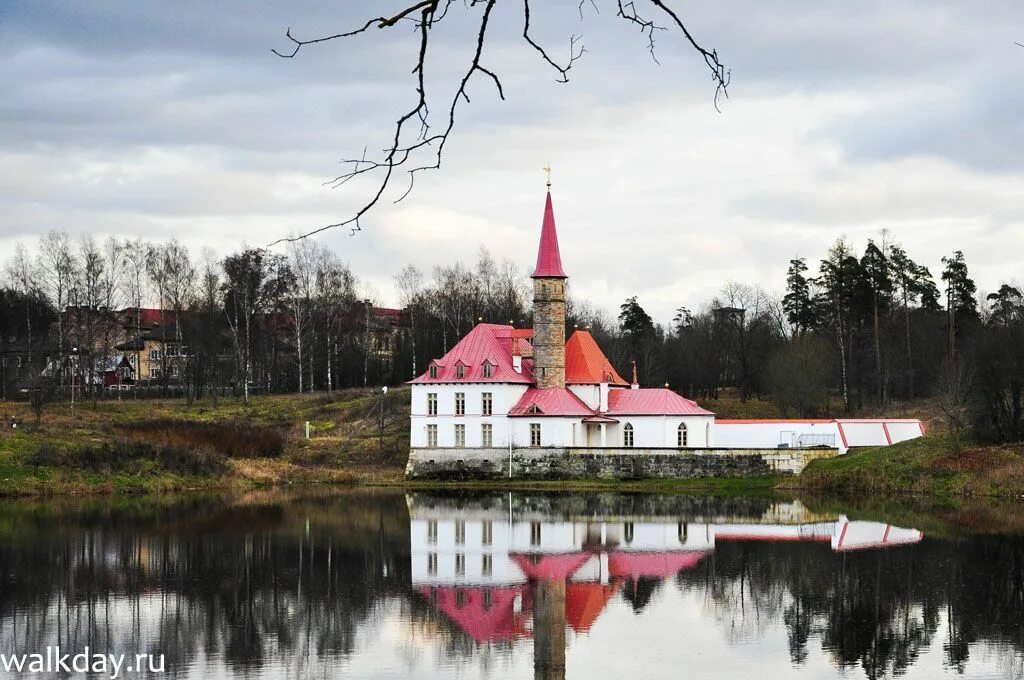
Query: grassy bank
(133, 446)
(925, 466)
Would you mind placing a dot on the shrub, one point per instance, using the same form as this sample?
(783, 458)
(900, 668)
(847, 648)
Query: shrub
(235, 439)
(132, 457)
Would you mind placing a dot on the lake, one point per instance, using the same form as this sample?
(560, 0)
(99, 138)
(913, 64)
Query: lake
(382, 584)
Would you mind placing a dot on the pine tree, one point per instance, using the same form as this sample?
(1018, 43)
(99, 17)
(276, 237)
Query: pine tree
(798, 304)
(961, 307)
(839, 273)
(875, 270)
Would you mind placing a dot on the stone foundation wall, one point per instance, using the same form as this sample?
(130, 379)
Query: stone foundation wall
(560, 463)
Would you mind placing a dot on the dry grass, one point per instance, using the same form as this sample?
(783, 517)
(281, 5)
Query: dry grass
(144, 445)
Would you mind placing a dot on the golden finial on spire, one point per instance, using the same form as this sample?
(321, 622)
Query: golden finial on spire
(547, 169)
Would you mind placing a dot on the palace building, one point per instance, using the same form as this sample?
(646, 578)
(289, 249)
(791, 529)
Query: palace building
(507, 388)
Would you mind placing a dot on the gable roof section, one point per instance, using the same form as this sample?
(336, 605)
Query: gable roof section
(486, 342)
(657, 401)
(552, 401)
(586, 364)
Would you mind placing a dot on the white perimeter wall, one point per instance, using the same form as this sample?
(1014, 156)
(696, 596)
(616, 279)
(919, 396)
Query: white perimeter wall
(769, 434)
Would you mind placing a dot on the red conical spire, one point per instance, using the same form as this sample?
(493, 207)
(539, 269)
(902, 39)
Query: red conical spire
(549, 262)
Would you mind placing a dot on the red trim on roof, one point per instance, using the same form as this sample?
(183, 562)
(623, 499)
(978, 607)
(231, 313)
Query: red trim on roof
(549, 261)
(885, 429)
(842, 434)
(752, 421)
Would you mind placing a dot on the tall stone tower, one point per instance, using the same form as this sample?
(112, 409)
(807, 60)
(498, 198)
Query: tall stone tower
(549, 306)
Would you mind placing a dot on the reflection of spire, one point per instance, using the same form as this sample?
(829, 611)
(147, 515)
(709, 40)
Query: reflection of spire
(549, 630)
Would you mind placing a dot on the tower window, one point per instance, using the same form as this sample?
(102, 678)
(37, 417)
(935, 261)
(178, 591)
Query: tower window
(681, 435)
(627, 435)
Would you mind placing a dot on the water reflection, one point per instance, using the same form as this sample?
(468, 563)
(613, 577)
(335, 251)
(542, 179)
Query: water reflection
(383, 585)
(502, 573)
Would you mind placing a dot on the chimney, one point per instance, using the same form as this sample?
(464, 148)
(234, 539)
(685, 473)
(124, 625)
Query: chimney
(636, 384)
(517, 363)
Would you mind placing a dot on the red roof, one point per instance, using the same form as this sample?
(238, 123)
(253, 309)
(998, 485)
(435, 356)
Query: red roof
(585, 601)
(481, 620)
(550, 401)
(149, 316)
(654, 401)
(557, 566)
(651, 564)
(586, 364)
(549, 261)
(487, 342)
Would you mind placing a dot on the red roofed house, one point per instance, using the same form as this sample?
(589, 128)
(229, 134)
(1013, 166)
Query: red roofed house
(502, 386)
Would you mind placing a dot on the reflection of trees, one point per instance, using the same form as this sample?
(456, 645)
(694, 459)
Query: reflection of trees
(876, 608)
(638, 592)
(242, 582)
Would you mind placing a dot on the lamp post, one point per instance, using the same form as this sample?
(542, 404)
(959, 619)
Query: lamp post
(74, 354)
(383, 393)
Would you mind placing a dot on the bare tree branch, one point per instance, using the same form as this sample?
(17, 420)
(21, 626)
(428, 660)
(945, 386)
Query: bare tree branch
(406, 146)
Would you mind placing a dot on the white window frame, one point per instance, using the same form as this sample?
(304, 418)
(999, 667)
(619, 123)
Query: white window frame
(486, 403)
(682, 435)
(431, 403)
(432, 436)
(460, 436)
(627, 436)
(535, 434)
(460, 403)
(486, 435)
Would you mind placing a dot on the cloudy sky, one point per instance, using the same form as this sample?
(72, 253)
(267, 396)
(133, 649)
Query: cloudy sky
(157, 119)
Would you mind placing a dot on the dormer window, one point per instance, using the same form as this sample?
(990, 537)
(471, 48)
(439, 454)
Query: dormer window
(534, 410)
(460, 371)
(488, 369)
(433, 371)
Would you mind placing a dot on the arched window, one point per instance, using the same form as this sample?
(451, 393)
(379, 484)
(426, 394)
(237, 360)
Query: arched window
(682, 531)
(681, 435)
(627, 532)
(627, 435)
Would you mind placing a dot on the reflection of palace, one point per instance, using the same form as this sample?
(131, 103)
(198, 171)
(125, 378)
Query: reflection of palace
(501, 575)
